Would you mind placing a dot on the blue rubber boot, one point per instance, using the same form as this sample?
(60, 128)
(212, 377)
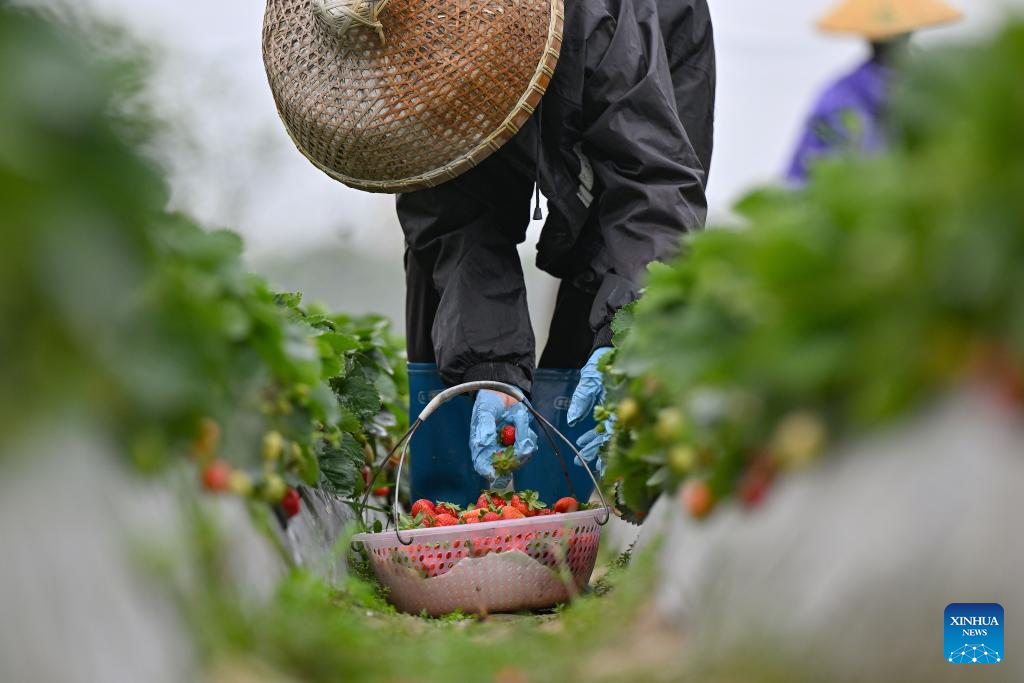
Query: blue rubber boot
(440, 466)
(545, 473)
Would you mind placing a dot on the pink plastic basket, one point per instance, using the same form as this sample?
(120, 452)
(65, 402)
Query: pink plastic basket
(494, 567)
(482, 568)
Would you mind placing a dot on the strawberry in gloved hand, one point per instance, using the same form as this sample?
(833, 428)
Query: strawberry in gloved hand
(492, 413)
(508, 436)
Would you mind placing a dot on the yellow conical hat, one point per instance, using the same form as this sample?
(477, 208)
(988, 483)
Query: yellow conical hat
(880, 19)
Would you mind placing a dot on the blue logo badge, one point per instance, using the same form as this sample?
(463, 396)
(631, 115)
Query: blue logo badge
(974, 633)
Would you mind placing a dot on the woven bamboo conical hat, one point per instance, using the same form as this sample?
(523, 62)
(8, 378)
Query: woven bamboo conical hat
(881, 19)
(399, 95)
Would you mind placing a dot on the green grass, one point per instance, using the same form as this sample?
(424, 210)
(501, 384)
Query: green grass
(310, 631)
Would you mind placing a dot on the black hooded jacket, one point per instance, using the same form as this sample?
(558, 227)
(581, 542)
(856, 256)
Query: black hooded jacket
(625, 143)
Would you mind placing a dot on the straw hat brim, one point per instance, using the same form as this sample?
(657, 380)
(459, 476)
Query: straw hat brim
(452, 82)
(882, 19)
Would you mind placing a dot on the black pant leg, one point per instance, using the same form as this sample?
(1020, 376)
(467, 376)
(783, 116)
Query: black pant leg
(421, 302)
(571, 338)
(466, 305)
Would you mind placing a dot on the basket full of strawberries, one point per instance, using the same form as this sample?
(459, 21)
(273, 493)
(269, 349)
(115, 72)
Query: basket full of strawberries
(506, 551)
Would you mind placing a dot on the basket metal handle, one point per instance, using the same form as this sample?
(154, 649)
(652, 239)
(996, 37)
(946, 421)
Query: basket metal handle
(467, 388)
(501, 388)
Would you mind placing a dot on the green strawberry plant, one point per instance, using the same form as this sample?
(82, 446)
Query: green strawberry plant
(115, 313)
(836, 308)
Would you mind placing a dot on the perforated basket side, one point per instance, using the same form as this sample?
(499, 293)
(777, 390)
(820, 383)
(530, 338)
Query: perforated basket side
(551, 547)
(499, 566)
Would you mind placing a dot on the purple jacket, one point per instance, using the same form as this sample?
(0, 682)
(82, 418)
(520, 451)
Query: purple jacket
(847, 117)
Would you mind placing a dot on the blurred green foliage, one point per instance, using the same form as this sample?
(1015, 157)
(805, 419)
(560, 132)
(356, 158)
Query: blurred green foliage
(115, 312)
(845, 305)
(311, 631)
(841, 306)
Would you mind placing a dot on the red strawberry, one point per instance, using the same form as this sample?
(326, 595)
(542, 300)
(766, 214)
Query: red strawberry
(545, 512)
(697, 498)
(752, 491)
(445, 520)
(291, 503)
(428, 519)
(217, 476)
(448, 508)
(531, 500)
(472, 516)
(509, 512)
(508, 435)
(487, 499)
(755, 482)
(1008, 378)
(1013, 388)
(367, 475)
(996, 366)
(518, 504)
(492, 517)
(382, 491)
(567, 504)
(421, 505)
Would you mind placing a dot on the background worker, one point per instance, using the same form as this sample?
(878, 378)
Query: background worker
(849, 115)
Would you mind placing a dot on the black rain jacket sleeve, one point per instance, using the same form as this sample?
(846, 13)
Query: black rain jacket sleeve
(690, 45)
(650, 183)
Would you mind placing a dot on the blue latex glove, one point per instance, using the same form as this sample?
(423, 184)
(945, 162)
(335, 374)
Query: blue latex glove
(491, 412)
(589, 393)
